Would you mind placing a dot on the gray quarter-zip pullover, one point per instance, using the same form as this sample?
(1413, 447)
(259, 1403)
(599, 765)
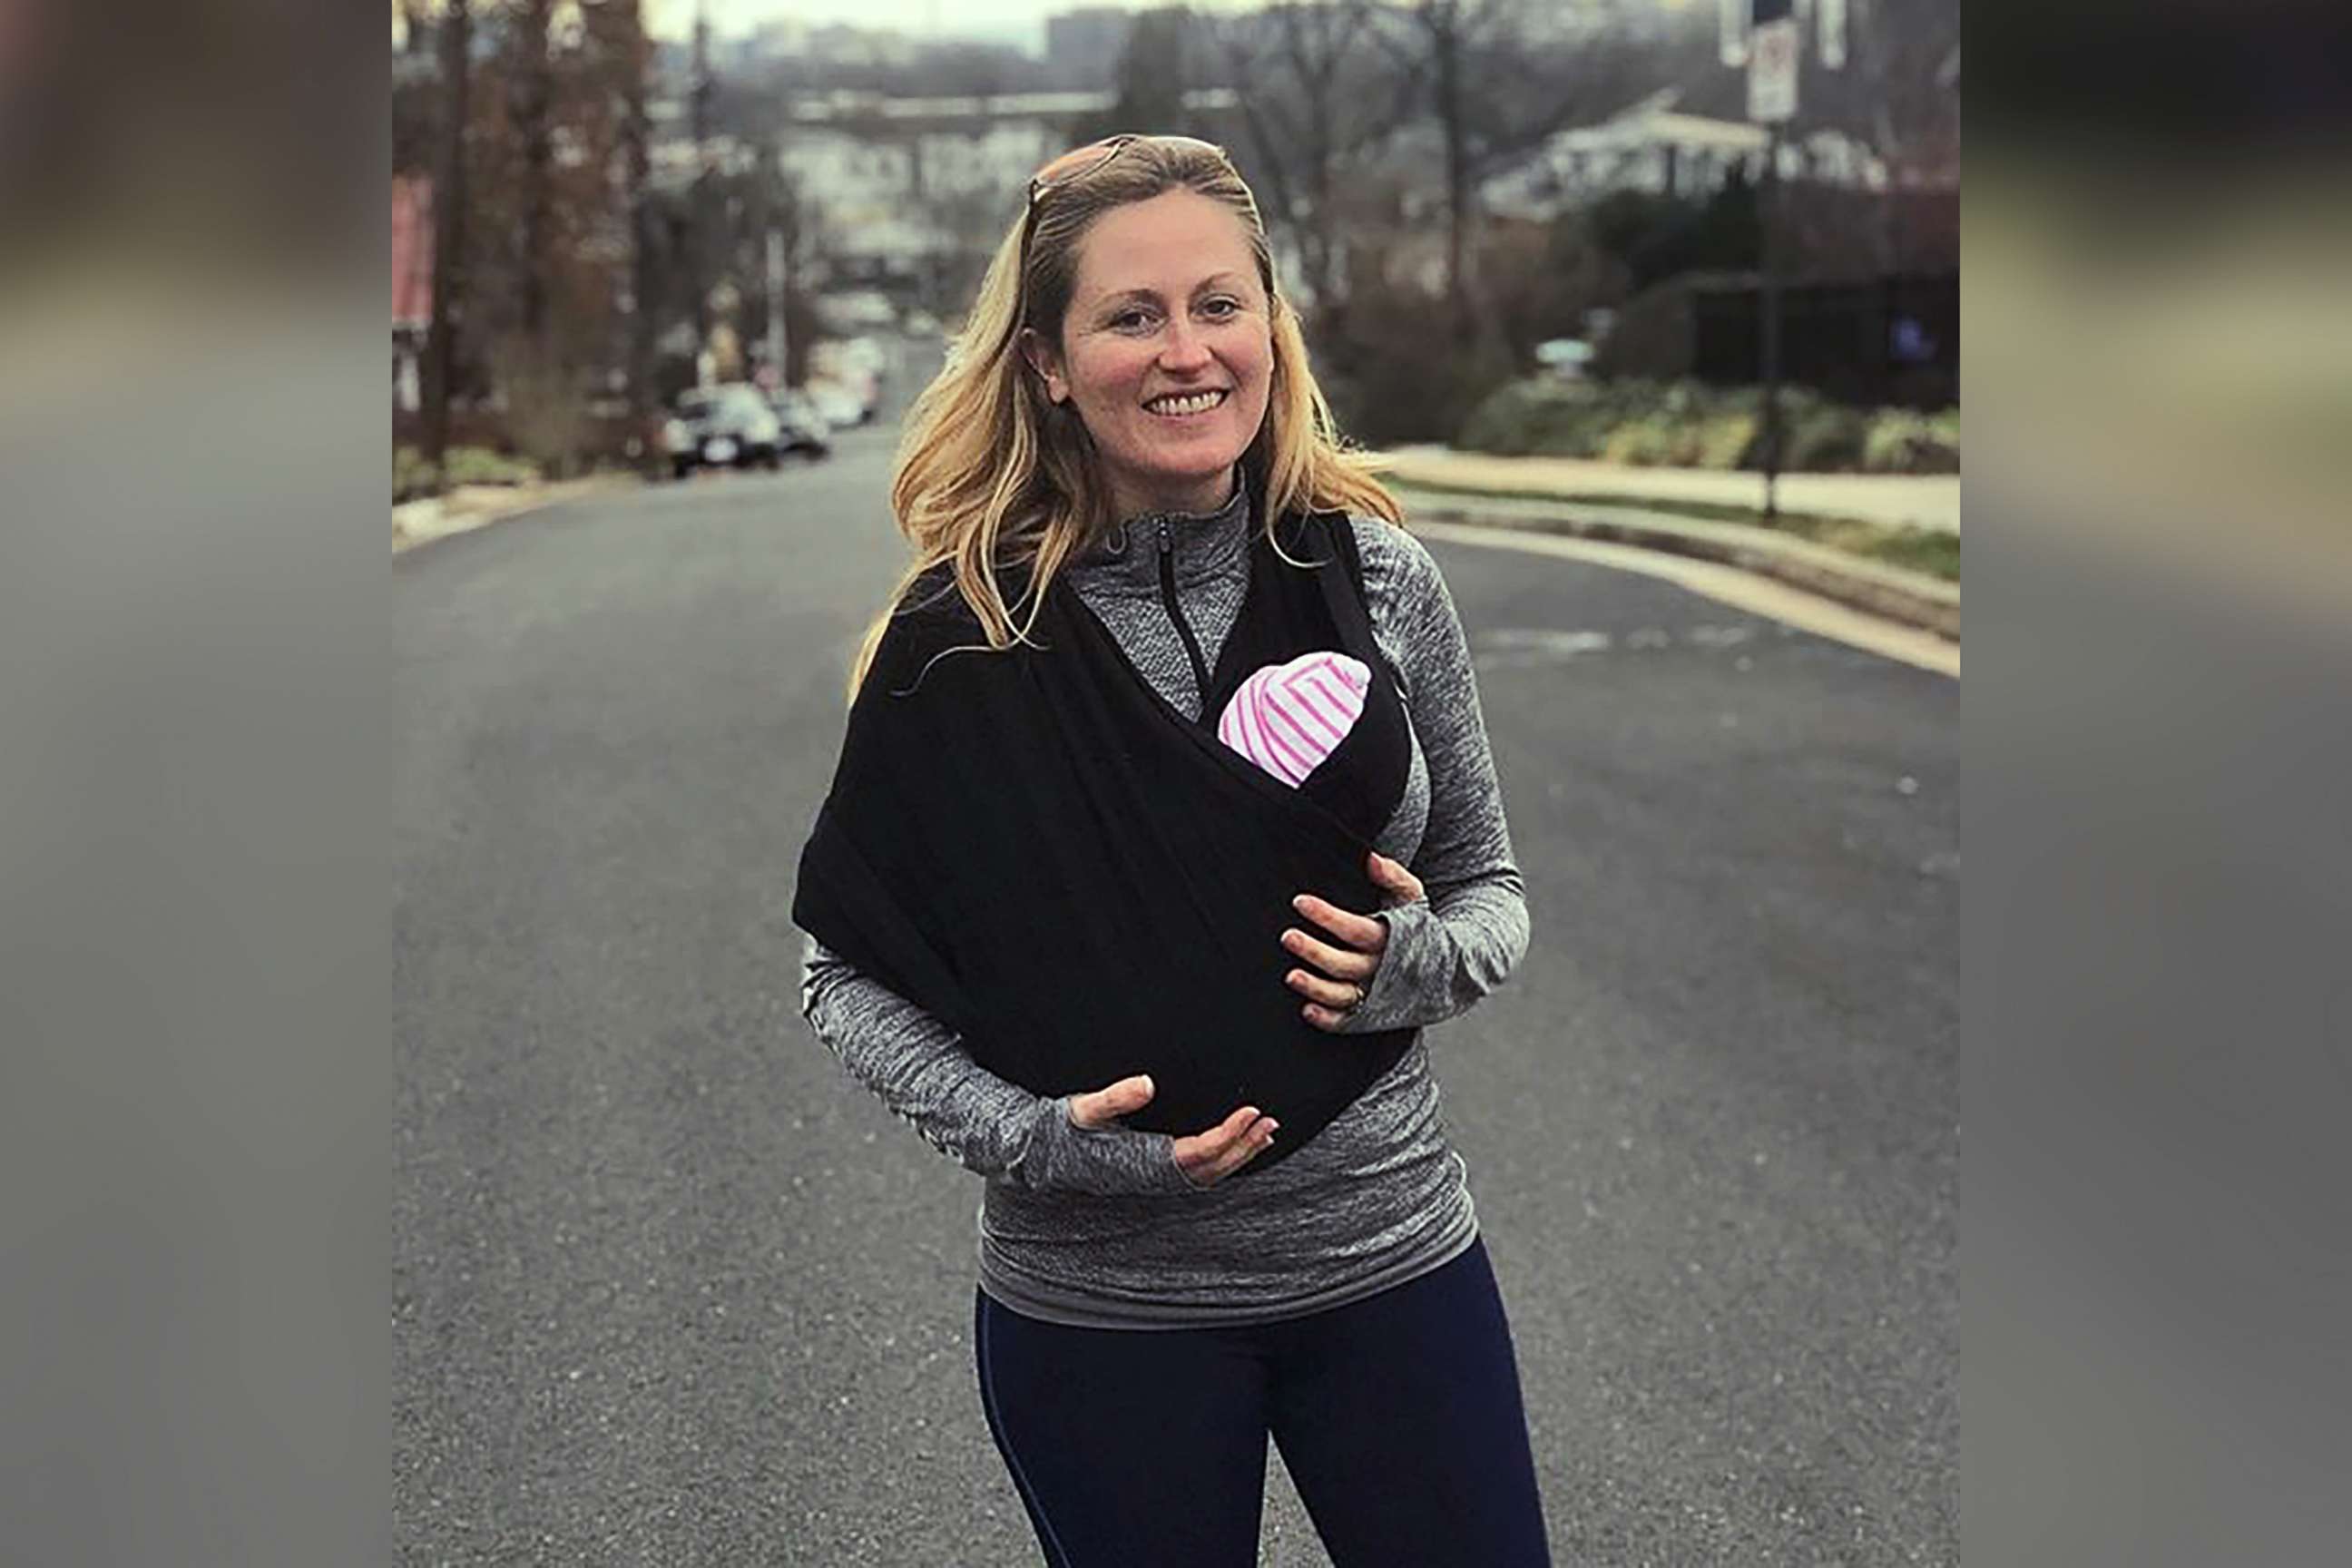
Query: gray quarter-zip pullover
(1101, 1227)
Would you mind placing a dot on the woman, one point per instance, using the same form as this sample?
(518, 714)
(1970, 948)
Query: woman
(1054, 925)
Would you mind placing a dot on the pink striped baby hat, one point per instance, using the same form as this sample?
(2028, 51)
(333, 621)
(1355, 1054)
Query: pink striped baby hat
(1287, 718)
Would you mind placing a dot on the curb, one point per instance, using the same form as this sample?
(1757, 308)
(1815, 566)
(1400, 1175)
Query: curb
(417, 523)
(1909, 598)
(1932, 506)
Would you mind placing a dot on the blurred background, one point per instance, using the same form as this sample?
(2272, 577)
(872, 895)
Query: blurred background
(1512, 227)
(199, 762)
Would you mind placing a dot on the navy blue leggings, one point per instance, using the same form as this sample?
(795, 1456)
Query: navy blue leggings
(1398, 1417)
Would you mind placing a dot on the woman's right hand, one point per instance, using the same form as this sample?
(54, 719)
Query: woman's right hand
(1205, 1158)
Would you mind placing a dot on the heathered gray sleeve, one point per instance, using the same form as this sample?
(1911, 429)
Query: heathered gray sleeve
(1446, 952)
(919, 1067)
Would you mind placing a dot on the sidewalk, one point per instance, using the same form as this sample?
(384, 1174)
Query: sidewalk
(470, 507)
(1604, 502)
(1914, 500)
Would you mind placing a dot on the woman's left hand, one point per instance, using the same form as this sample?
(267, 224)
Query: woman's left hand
(1335, 979)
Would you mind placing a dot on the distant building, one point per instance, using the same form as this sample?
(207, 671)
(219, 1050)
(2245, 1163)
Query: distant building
(1651, 147)
(841, 45)
(897, 185)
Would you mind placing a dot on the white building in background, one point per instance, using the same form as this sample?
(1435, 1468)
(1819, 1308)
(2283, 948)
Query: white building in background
(996, 159)
(1650, 147)
(901, 184)
(896, 183)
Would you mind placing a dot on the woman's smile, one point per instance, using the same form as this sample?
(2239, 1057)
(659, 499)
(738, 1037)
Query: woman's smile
(1186, 405)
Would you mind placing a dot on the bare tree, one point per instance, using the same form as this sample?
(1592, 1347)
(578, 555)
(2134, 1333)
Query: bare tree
(449, 234)
(1315, 97)
(631, 55)
(1497, 87)
(1147, 85)
(533, 109)
(1452, 28)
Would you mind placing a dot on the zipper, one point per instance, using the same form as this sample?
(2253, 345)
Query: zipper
(1176, 614)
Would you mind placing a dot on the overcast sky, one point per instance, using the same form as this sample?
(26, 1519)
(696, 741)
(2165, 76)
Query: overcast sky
(1018, 22)
(1009, 21)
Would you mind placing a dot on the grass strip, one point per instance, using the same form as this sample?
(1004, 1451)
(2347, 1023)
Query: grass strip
(1927, 550)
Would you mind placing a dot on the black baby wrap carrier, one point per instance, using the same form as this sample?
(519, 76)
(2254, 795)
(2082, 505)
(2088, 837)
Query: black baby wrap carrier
(1039, 851)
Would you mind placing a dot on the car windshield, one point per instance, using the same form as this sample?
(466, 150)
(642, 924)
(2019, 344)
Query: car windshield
(693, 406)
(740, 401)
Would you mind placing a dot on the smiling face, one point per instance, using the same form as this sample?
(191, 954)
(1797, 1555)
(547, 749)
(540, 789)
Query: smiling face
(1166, 350)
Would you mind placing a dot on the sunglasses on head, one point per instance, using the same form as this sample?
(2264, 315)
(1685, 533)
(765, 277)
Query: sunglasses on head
(1080, 162)
(1077, 164)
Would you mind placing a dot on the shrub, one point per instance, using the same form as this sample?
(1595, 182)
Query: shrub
(1656, 440)
(1902, 442)
(1685, 423)
(481, 466)
(1541, 414)
(1726, 439)
(547, 415)
(1822, 437)
(1396, 369)
(413, 477)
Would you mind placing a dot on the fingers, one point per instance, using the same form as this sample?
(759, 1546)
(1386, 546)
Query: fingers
(1338, 995)
(1212, 1156)
(1390, 875)
(1355, 930)
(1331, 1021)
(1338, 963)
(1104, 1106)
(1345, 974)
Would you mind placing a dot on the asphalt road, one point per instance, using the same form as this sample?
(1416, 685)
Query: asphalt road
(670, 1287)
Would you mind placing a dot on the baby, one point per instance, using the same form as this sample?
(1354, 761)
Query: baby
(1288, 718)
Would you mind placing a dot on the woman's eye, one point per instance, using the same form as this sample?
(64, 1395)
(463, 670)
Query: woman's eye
(1129, 321)
(1219, 308)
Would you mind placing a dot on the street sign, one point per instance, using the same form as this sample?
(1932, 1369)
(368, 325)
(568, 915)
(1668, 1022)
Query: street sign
(1832, 19)
(1773, 49)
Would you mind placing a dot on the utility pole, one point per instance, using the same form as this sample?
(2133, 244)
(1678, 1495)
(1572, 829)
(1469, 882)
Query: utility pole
(776, 304)
(449, 235)
(1768, 228)
(636, 136)
(697, 217)
(1773, 48)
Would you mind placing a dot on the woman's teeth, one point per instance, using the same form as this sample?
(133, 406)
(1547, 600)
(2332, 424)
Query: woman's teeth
(1193, 403)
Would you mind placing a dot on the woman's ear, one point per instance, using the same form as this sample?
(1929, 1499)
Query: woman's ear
(1045, 363)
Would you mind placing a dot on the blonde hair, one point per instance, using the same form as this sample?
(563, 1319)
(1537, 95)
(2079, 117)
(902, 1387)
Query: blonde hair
(991, 476)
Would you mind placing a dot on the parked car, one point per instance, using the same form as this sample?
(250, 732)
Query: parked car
(841, 407)
(729, 425)
(863, 359)
(804, 428)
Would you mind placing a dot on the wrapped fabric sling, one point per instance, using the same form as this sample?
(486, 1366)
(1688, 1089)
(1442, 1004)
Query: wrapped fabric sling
(1038, 849)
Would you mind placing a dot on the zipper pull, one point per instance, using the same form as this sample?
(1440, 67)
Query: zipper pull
(1166, 542)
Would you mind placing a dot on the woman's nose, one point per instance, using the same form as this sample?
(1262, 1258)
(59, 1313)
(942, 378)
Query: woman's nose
(1184, 349)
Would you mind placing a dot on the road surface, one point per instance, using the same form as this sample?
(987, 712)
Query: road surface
(668, 1287)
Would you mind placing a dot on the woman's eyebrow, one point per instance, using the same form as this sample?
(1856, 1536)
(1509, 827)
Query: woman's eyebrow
(1151, 296)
